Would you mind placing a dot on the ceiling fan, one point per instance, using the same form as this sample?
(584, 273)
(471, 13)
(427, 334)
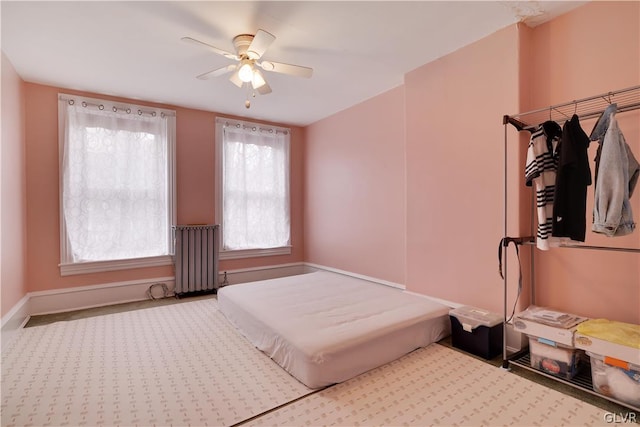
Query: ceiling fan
(249, 50)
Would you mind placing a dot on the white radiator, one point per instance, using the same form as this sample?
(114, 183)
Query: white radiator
(196, 259)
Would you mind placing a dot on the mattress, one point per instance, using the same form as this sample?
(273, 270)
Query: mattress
(324, 328)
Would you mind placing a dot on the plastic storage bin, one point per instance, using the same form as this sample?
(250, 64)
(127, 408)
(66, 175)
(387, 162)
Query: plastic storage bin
(542, 322)
(476, 331)
(616, 378)
(554, 358)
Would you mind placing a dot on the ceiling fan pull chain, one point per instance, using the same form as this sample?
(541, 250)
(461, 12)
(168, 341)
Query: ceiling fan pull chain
(247, 103)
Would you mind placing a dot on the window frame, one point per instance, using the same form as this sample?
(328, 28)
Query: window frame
(68, 267)
(221, 122)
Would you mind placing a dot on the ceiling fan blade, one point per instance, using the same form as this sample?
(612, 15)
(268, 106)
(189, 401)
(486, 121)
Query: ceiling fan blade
(217, 72)
(215, 49)
(235, 78)
(261, 41)
(293, 70)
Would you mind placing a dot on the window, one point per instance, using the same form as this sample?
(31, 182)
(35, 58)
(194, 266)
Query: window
(116, 185)
(253, 189)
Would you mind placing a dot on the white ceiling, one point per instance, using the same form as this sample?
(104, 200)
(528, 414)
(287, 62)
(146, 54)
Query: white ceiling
(357, 49)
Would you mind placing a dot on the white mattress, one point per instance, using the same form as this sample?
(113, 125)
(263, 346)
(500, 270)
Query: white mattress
(324, 328)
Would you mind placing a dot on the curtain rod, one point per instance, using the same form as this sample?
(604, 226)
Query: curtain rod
(122, 107)
(255, 128)
(251, 126)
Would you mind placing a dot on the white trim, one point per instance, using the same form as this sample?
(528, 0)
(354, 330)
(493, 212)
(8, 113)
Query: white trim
(111, 265)
(14, 320)
(253, 274)
(19, 310)
(359, 276)
(438, 300)
(81, 297)
(264, 268)
(383, 282)
(252, 253)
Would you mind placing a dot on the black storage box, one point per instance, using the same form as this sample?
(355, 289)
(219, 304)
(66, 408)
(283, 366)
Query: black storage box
(476, 331)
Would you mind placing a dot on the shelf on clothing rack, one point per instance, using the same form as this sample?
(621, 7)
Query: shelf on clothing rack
(597, 248)
(602, 248)
(627, 99)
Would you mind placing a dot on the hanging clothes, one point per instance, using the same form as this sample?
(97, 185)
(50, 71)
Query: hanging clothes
(540, 168)
(617, 173)
(573, 177)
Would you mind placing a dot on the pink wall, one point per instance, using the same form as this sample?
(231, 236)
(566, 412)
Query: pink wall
(455, 169)
(594, 50)
(195, 132)
(354, 198)
(406, 186)
(13, 229)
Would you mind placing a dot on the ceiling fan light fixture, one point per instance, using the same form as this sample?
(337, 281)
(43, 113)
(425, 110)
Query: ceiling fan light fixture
(258, 81)
(245, 72)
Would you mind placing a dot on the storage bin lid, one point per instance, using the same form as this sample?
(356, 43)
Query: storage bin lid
(616, 332)
(545, 316)
(472, 317)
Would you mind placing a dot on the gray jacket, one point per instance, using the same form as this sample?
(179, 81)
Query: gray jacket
(617, 173)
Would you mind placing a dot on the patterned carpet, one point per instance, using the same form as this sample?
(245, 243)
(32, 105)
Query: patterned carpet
(436, 386)
(183, 364)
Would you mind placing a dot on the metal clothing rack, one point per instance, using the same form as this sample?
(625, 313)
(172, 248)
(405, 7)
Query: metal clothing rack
(627, 100)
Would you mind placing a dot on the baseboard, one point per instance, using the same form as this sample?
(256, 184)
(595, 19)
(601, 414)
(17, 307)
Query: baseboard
(14, 320)
(313, 267)
(82, 297)
(253, 274)
(18, 315)
(438, 300)
(77, 298)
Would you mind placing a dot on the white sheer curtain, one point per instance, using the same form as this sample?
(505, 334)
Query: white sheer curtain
(255, 188)
(115, 183)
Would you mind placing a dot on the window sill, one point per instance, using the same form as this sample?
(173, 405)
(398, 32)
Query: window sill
(120, 264)
(252, 253)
